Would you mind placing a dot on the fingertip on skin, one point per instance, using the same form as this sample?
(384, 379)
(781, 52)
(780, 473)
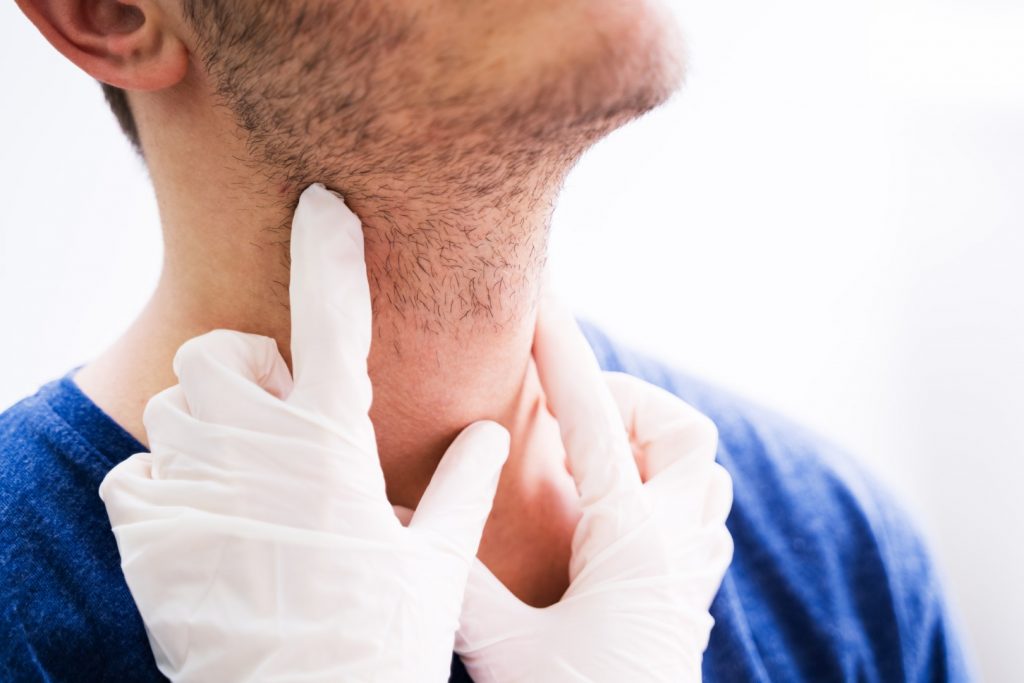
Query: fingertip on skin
(317, 194)
(553, 313)
(475, 458)
(492, 439)
(458, 499)
(491, 430)
(566, 363)
(320, 206)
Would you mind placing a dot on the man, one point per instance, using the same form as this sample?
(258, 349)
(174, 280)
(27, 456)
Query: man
(448, 126)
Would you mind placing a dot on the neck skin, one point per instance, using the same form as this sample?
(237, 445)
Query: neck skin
(449, 348)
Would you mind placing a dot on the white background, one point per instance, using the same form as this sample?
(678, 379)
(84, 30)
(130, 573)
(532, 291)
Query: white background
(828, 219)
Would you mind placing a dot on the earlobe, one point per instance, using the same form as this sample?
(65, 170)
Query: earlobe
(130, 44)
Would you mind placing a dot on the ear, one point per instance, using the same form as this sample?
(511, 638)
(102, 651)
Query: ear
(131, 44)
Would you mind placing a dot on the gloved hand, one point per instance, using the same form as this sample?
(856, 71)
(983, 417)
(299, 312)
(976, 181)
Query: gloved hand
(256, 537)
(647, 558)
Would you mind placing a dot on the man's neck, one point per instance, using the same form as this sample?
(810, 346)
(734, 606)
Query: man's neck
(455, 251)
(454, 287)
(429, 383)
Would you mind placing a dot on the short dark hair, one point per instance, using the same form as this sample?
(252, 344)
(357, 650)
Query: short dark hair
(118, 101)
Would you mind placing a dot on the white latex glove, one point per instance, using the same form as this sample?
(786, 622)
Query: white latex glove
(647, 558)
(256, 537)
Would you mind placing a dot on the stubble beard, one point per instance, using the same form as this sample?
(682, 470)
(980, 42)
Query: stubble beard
(456, 192)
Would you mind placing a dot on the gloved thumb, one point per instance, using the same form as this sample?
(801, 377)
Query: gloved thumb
(458, 499)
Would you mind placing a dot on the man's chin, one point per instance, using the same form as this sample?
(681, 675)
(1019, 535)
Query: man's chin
(630, 67)
(641, 50)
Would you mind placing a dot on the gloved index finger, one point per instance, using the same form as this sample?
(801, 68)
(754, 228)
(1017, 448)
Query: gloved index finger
(595, 438)
(330, 308)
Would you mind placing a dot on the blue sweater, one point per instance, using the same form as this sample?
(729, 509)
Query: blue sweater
(829, 582)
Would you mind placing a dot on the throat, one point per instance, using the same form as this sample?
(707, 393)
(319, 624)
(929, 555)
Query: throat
(428, 387)
(454, 307)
